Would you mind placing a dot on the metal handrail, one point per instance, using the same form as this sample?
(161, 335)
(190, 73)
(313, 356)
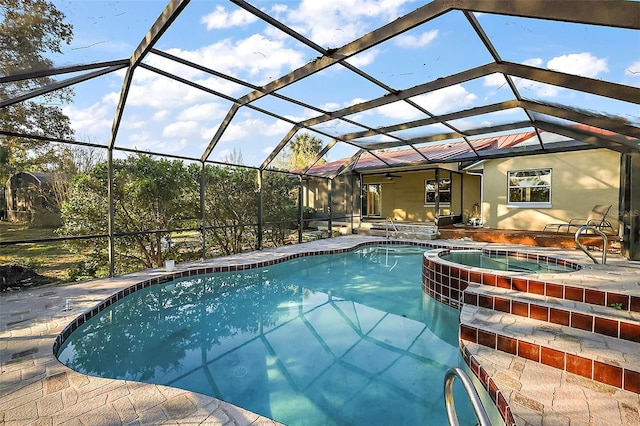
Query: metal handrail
(478, 408)
(394, 227)
(584, 249)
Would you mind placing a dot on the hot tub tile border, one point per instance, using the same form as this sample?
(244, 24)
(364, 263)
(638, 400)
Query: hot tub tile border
(533, 285)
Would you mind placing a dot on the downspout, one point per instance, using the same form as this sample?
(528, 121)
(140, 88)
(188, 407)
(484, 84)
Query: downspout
(481, 194)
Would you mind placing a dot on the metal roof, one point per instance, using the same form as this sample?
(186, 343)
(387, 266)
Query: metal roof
(529, 123)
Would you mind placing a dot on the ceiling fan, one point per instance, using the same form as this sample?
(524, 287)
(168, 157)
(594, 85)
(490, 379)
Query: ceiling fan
(390, 176)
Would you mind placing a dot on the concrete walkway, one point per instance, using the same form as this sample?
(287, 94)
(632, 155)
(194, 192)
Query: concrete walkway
(35, 388)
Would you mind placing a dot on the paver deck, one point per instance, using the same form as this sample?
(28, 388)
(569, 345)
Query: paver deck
(35, 388)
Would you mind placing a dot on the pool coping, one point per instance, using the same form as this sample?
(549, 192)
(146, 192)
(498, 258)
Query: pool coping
(38, 388)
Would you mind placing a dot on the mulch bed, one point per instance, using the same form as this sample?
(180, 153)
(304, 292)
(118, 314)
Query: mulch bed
(16, 278)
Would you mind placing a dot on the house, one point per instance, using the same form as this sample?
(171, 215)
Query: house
(35, 197)
(519, 184)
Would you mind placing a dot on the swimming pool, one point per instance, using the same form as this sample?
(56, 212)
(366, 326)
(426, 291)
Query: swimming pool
(321, 340)
(505, 262)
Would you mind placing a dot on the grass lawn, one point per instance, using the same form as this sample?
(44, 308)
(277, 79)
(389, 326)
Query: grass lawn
(51, 259)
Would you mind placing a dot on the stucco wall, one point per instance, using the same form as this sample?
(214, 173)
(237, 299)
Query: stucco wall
(403, 198)
(579, 180)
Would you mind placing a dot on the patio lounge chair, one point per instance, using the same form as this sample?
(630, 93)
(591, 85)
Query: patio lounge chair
(597, 218)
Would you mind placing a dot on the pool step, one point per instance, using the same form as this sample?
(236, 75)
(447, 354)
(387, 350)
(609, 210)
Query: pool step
(589, 317)
(598, 357)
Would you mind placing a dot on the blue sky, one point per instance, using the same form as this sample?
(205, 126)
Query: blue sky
(168, 116)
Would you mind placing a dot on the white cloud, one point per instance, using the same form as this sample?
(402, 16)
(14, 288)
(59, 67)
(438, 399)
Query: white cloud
(161, 115)
(633, 70)
(330, 106)
(92, 122)
(303, 115)
(111, 98)
(203, 112)
(445, 100)
(279, 8)
(268, 150)
(494, 80)
(139, 138)
(167, 65)
(364, 58)
(146, 143)
(355, 101)
(239, 130)
(438, 102)
(534, 62)
(412, 41)
(220, 18)
(162, 93)
(134, 123)
(223, 155)
(207, 133)
(584, 64)
(399, 110)
(221, 85)
(195, 75)
(252, 130)
(256, 58)
(332, 23)
(181, 129)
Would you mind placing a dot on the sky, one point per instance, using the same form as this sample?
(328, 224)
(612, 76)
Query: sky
(166, 116)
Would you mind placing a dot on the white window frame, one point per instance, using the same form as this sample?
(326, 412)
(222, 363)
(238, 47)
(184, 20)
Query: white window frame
(441, 203)
(529, 204)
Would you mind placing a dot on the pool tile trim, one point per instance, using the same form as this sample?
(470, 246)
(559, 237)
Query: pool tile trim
(618, 328)
(585, 367)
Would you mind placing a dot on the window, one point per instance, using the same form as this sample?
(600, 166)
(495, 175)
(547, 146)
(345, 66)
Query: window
(444, 189)
(530, 188)
(372, 200)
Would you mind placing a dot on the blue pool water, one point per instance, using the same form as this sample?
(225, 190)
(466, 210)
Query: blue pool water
(344, 339)
(504, 262)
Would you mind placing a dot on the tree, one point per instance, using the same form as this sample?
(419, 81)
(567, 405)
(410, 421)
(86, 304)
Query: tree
(154, 196)
(231, 207)
(302, 151)
(150, 196)
(73, 159)
(30, 30)
(279, 206)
